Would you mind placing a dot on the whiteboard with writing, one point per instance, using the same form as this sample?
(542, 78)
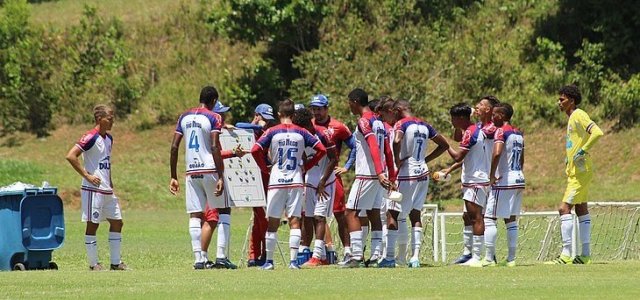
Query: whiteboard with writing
(242, 178)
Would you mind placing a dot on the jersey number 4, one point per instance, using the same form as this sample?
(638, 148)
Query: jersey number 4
(193, 142)
(287, 158)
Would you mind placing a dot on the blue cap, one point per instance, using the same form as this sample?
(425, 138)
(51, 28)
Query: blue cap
(298, 106)
(265, 110)
(319, 100)
(220, 108)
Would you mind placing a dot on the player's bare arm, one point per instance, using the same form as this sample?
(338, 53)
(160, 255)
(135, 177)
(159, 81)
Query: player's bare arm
(397, 140)
(443, 146)
(498, 147)
(457, 155)
(333, 162)
(72, 158)
(217, 159)
(174, 186)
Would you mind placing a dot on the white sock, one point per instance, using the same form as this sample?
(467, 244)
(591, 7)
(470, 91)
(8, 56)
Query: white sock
(224, 226)
(271, 241)
(115, 238)
(347, 250)
(392, 236)
(205, 255)
(490, 237)
(385, 231)
(365, 233)
(416, 242)
(356, 244)
(195, 230)
(512, 239)
(91, 243)
(376, 243)
(566, 228)
(403, 240)
(467, 238)
(318, 249)
(478, 241)
(584, 225)
(294, 243)
(302, 248)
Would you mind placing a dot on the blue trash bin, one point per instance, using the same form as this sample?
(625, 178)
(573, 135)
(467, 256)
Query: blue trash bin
(31, 227)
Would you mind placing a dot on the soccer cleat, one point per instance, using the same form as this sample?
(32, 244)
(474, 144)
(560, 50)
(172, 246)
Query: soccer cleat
(268, 265)
(371, 262)
(387, 263)
(509, 263)
(414, 263)
(224, 263)
(209, 265)
(488, 263)
(199, 266)
(312, 263)
(560, 260)
(474, 263)
(462, 259)
(120, 267)
(293, 265)
(353, 263)
(347, 257)
(97, 267)
(582, 260)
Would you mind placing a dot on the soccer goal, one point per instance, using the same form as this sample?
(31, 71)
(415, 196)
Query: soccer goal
(615, 234)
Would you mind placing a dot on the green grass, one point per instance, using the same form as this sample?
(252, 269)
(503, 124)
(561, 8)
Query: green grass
(156, 245)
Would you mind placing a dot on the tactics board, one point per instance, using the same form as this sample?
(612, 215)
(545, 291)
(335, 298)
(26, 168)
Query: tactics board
(241, 174)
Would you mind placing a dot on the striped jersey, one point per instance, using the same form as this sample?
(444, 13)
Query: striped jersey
(196, 125)
(476, 166)
(313, 176)
(413, 147)
(369, 124)
(96, 154)
(509, 171)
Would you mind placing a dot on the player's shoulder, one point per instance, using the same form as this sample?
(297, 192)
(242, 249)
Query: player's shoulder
(89, 134)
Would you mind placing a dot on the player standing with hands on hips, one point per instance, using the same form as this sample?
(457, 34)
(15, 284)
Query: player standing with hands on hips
(204, 183)
(98, 200)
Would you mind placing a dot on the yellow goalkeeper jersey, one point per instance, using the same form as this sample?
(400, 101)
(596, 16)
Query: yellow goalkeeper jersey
(578, 131)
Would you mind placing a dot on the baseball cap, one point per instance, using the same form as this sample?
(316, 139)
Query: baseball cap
(265, 110)
(319, 100)
(298, 106)
(220, 108)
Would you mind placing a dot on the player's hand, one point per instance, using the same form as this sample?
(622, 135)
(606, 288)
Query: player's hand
(219, 187)
(446, 171)
(228, 126)
(492, 179)
(238, 151)
(322, 194)
(579, 155)
(174, 186)
(95, 180)
(340, 170)
(382, 178)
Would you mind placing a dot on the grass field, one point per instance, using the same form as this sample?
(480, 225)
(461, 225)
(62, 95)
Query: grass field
(156, 246)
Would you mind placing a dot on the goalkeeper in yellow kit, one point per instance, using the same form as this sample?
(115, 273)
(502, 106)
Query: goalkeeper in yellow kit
(582, 134)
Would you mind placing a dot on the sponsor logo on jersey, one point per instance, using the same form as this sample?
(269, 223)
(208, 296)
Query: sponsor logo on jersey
(104, 164)
(196, 164)
(285, 180)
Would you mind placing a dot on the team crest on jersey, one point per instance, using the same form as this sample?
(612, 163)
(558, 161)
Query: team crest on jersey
(329, 132)
(96, 214)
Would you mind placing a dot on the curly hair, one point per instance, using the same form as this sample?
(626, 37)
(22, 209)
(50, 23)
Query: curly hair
(572, 92)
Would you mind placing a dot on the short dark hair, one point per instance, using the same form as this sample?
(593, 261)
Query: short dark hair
(572, 92)
(286, 108)
(302, 117)
(493, 100)
(360, 96)
(506, 108)
(208, 95)
(374, 105)
(460, 110)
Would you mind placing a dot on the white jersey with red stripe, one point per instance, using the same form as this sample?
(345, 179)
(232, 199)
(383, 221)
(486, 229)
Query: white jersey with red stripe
(413, 147)
(509, 171)
(314, 175)
(196, 125)
(286, 143)
(96, 154)
(489, 133)
(369, 124)
(475, 167)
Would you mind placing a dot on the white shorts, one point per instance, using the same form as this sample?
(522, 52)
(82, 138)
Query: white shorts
(476, 194)
(288, 201)
(97, 207)
(201, 189)
(414, 194)
(504, 203)
(314, 206)
(365, 194)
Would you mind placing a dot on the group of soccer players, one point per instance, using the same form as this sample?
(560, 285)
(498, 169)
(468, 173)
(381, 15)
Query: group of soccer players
(298, 156)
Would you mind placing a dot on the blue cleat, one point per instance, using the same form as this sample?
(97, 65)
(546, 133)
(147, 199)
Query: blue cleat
(293, 265)
(462, 259)
(387, 263)
(268, 265)
(224, 263)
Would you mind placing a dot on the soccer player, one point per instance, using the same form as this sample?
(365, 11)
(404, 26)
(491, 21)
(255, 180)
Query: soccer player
(366, 193)
(285, 145)
(475, 175)
(262, 120)
(507, 184)
(98, 200)
(339, 134)
(410, 154)
(319, 188)
(582, 134)
(204, 178)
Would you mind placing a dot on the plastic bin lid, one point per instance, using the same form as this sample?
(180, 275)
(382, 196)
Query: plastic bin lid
(42, 222)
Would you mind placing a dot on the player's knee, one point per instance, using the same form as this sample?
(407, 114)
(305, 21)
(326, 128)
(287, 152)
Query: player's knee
(320, 219)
